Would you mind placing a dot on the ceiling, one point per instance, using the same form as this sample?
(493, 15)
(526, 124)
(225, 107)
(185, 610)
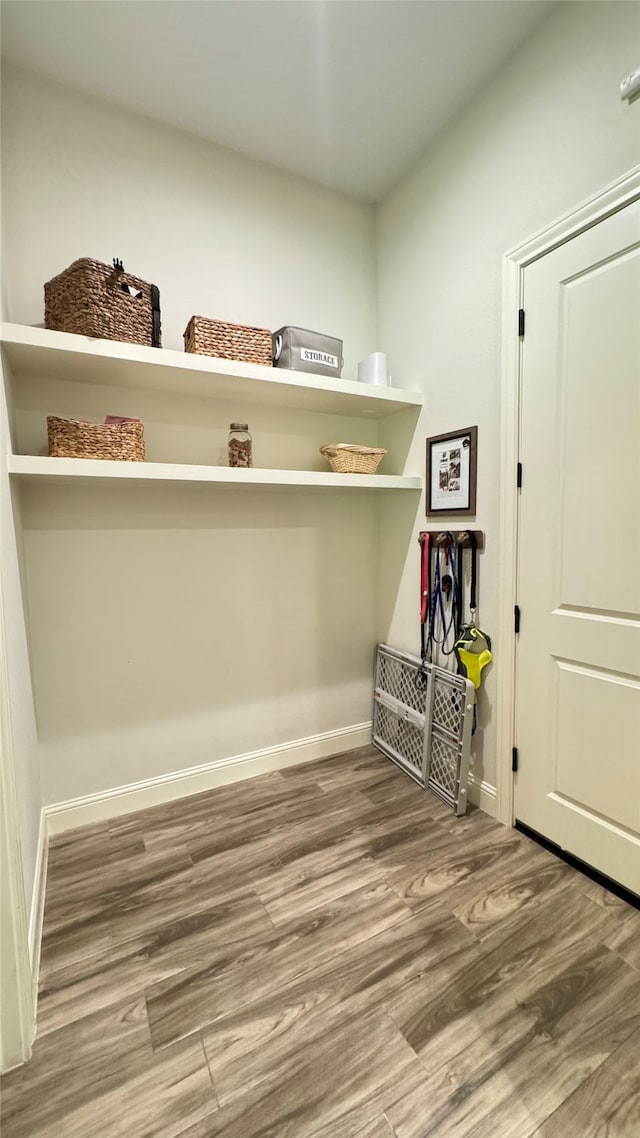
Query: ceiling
(346, 92)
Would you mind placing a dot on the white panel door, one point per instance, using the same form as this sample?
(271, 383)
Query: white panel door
(578, 654)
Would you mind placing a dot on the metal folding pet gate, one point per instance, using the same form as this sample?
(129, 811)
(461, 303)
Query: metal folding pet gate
(422, 720)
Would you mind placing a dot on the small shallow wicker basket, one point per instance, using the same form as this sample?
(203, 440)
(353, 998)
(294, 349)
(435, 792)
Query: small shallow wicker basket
(102, 301)
(226, 341)
(120, 442)
(347, 459)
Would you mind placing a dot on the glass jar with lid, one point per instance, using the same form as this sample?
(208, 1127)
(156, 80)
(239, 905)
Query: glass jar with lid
(239, 445)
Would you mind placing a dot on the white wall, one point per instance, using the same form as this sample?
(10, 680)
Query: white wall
(228, 237)
(172, 627)
(221, 235)
(174, 630)
(549, 132)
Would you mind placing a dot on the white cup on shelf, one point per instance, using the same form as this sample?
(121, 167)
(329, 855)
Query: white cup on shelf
(373, 369)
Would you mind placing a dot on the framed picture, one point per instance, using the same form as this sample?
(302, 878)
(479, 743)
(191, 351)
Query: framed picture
(451, 472)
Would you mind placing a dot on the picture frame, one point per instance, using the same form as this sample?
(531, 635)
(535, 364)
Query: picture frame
(452, 467)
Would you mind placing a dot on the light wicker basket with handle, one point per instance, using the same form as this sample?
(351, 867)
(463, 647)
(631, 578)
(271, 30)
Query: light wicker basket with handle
(347, 458)
(122, 441)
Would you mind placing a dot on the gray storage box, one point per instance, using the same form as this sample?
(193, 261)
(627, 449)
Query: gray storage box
(301, 350)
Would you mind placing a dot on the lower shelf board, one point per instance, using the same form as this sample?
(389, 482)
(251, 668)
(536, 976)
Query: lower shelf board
(24, 466)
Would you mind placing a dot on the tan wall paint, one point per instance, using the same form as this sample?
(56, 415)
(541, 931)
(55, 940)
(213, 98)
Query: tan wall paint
(216, 235)
(549, 131)
(221, 235)
(19, 726)
(176, 626)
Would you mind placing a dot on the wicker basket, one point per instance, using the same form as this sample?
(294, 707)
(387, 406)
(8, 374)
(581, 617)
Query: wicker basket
(347, 459)
(226, 341)
(102, 301)
(121, 442)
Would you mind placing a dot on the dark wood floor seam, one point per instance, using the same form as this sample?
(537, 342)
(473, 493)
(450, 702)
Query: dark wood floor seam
(213, 1085)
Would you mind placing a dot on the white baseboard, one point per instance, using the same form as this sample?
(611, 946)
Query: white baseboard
(99, 807)
(483, 794)
(36, 915)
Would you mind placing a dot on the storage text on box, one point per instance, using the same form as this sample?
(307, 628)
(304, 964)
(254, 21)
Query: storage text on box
(311, 357)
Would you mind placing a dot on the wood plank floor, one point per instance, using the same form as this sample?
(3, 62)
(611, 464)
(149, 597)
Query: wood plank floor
(325, 952)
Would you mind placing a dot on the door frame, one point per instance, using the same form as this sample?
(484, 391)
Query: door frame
(615, 197)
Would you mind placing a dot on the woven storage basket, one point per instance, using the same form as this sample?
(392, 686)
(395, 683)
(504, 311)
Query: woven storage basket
(102, 301)
(69, 438)
(226, 341)
(347, 459)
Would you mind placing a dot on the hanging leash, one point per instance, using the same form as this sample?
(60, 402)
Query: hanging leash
(425, 591)
(445, 588)
(457, 561)
(435, 590)
(473, 590)
(442, 616)
(421, 677)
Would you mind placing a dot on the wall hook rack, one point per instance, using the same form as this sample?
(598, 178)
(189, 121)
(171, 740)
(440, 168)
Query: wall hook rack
(461, 537)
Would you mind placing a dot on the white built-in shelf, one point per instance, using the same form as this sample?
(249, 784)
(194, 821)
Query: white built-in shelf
(25, 466)
(59, 355)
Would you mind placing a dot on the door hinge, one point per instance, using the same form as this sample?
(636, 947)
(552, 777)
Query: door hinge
(516, 619)
(521, 322)
(519, 476)
(514, 759)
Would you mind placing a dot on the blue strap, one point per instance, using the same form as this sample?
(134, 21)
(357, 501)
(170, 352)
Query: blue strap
(437, 608)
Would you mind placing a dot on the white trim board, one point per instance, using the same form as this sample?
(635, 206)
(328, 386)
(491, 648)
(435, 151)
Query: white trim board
(482, 794)
(36, 916)
(615, 197)
(106, 804)
(62, 816)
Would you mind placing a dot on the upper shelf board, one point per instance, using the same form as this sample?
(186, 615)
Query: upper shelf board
(60, 355)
